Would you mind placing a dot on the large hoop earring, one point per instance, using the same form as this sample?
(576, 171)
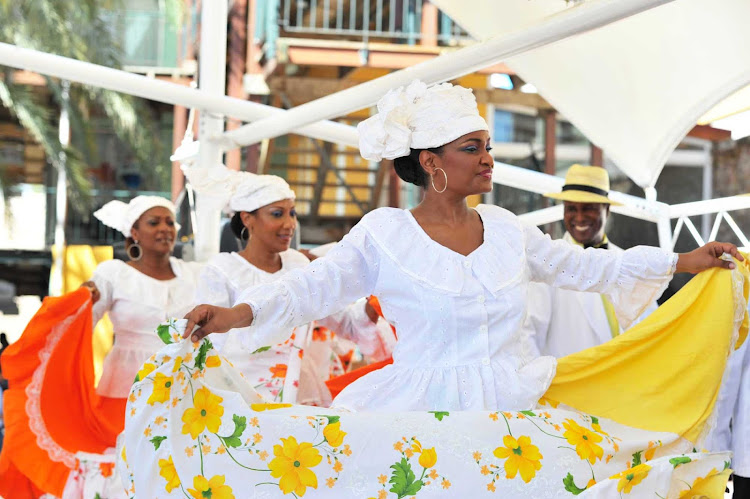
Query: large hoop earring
(445, 175)
(244, 234)
(138, 251)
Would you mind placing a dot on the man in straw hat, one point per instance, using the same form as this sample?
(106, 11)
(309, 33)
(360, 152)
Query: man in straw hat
(565, 321)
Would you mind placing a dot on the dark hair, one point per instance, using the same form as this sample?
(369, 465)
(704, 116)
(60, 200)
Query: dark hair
(410, 170)
(237, 226)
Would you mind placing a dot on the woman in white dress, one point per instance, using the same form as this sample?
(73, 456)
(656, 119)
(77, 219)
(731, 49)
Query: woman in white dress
(264, 215)
(452, 279)
(464, 388)
(140, 294)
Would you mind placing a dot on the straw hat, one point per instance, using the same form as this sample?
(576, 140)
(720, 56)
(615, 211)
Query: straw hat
(585, 184)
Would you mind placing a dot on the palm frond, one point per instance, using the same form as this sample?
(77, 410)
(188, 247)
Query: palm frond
(38, 121)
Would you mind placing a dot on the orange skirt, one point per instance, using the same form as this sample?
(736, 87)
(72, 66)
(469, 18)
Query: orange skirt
(51, 407)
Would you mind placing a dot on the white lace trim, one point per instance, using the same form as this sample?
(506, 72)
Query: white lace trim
(34, 390)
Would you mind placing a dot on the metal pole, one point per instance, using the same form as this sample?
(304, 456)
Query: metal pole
(161, 91)
(584, 17)
(56, 282)
(212, 79)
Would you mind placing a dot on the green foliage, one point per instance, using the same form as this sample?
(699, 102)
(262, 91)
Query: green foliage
(528, 413)
(637, 458)
(157, 442)
(403, 479)
(163, 332)
(676, 461)
(200, 359)
(332, 419)
(261, 350)
(439, 415)
(570, 485)
(233, 440)
(82, 30)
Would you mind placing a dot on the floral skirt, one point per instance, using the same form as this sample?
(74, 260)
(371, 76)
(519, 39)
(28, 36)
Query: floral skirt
(621, 420)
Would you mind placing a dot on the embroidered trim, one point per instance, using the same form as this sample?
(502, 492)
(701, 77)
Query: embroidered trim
(34, 391)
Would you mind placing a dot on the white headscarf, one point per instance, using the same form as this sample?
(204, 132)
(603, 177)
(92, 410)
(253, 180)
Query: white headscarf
(418, 117)
(238, 191)
(121, 216)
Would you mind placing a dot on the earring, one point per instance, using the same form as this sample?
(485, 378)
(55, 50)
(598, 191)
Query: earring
(135, 247)
(244, 234)
(445, 175)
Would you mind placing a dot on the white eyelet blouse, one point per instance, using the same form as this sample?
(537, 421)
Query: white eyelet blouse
(460, 344)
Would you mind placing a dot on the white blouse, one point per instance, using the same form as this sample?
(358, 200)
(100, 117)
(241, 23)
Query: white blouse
(290, 370)
(460, 344)
(136, 304)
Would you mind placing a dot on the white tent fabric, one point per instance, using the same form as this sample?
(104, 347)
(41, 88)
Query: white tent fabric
(635, 87)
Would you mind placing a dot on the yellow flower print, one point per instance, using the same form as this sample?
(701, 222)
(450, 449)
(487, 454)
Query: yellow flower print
(428, 458)
(257, 438)
(189, 451)
(162, 388)
(330, 482)
(433, 474)
(124, 455)
(520, 455)
(485, 470)
(399, 446)
(382, 494)
(213, 488)
(145, 370)
(651, 450)
(584, 440)
(711, 485)
(168, 472)
(477, 456)
(409, 453)
(177, 364)
(491, 487)
(338, 467)
(206, 413)
(631, 477)
(268, 407)
(493, 416)
(382, 479)
(213, 361)
(445, 483)
(263, 455)
(333, 434)
(347, 450)
(292, 463)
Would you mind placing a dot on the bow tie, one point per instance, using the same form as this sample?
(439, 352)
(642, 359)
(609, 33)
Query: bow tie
(600, 246)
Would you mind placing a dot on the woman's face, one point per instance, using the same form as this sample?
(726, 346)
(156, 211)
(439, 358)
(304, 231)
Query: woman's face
(272, 226)
(155, 231)
(467, 163)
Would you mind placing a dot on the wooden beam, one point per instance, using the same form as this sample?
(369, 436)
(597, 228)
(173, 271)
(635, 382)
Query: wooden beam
(709, 133)
(236, 69)
(597, 156)
(304, 89)
(304, 52)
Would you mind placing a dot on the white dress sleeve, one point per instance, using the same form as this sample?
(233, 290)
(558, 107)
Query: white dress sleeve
(348, 272)
(104, 275)
(633, 279)
(355, 325)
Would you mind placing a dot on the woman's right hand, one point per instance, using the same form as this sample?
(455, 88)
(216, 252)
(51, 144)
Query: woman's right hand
(213, 319)
(95, 295)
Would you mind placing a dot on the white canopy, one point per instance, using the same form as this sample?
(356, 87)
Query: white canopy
(637, 86)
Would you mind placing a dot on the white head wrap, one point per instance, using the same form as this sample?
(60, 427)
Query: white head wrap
(418, 117)
(121, 216)
(238, 191)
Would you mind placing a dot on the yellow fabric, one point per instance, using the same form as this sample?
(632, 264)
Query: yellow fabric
(79, 264)
(651, 377)
(609, 310)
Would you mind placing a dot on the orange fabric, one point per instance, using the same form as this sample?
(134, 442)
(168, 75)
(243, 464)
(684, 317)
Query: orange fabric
(76, 418)
(335, 385)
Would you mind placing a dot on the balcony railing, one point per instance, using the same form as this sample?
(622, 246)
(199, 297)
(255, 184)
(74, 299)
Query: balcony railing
(390, 21)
